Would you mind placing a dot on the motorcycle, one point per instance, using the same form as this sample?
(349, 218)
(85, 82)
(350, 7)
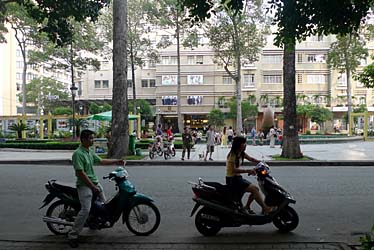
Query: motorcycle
(221, 209)
(169, 149)
(155, 148)
(138, 211)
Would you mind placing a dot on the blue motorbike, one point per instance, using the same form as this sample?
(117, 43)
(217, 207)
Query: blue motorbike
(138, 211)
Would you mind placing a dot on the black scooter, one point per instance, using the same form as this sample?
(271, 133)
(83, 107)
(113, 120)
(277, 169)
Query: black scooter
(221, 209)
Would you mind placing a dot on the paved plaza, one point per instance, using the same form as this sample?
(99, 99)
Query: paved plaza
(347, 151)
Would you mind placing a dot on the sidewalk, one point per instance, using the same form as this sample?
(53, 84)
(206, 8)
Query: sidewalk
(350, 153)
(6, 245)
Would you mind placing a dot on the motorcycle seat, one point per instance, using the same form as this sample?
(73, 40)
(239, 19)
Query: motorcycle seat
(65, 187)
(222, 189)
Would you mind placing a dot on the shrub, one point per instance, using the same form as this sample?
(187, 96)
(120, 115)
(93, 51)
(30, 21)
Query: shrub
(308, 132)
(42, 145)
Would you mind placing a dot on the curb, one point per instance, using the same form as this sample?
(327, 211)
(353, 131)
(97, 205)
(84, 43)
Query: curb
(313, 163)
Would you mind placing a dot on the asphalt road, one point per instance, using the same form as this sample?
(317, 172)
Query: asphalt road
(335, 204)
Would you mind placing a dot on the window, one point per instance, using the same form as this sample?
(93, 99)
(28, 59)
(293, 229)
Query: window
(97, 84)
(173, 60)
(363, 62)
(169, 100)
(299, 58)
(18, 86)
(19, 64)
(129, 83)
(144, 83)
(272, 79)
(299, 78)
(165, 60)
(18, 52)
(19, 76)
(194, 100)
(227, 80)
(199, 60)
(101, 84)
(316, 58)
(318, 38)
(249, 80)
(195, 79)
(316, 79)
(272, 59)
(195, 59)
(152, 83)
(152, 64)
(361, 100)
(104, 65)
(105, 84)
(190, 59)
(169, 80)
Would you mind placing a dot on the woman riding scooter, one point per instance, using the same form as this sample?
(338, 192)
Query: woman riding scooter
(237, 184)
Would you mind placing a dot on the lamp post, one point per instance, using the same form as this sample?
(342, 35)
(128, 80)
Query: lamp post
(73, 90)
(157, 117)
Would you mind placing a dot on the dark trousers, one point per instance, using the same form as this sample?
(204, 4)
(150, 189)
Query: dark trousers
(188, 148)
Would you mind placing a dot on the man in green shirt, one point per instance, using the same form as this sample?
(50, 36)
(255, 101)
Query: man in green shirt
(87, 182)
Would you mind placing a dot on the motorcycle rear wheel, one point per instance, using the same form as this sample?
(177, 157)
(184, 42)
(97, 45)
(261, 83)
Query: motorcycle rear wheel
(143, 218)
(203, 226)
(63, 211)
(287, 220)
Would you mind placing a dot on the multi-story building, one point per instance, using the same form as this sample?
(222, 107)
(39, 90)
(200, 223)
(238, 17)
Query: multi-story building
(205, 85)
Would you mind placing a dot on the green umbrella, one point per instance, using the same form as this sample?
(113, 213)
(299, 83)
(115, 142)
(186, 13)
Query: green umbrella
(107, 116)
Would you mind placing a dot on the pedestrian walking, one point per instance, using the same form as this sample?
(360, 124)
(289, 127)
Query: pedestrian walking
(187, 143)
(230, 135)
(272, 136)
(261, 136)
(209, 142)
(253, 136)
(224, 137)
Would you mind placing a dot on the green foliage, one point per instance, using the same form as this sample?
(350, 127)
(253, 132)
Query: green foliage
(62, 111)
(44, 93)
(106, 107)
(145, 109)
(366, 77)
(308, 132)
(314, 112)
(18, 128)
(216, 117)
(347, 52)
(367, 241)
(43, 145)
(94, 108)
(248, 110)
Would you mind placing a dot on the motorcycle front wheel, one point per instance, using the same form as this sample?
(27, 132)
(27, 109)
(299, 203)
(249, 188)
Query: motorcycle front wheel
(143, 219)
(60, 210)
(151, 154)
(173, 152)
(205, 222)
(287, 220)
(159, 151)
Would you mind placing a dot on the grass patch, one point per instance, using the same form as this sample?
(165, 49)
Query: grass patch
(279, 158)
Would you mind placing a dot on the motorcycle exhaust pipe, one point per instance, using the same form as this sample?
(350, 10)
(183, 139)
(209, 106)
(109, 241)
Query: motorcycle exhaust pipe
(57, 221)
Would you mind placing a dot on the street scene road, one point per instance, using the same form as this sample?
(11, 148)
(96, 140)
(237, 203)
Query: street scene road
(335, 204)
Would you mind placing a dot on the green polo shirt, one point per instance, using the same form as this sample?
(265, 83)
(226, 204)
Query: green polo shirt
(84, 160)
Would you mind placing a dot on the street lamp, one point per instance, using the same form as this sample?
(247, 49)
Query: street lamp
(157, 117)
(73, 90)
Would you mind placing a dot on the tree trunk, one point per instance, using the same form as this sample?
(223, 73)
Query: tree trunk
(180, 118)
(239, 119)
(133, 77)
(120, 126)
(291, 145)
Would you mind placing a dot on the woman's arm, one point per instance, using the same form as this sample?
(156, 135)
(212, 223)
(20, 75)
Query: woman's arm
(251, 159)
(233, 169)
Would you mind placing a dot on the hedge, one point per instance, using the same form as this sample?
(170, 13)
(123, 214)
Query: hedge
(42, 145)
